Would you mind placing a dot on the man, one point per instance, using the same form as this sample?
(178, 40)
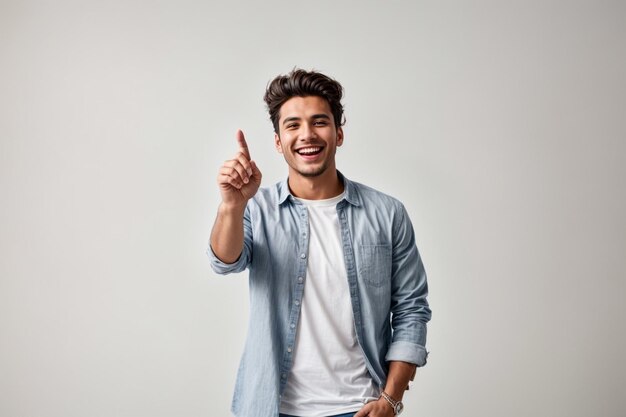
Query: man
(338, 307)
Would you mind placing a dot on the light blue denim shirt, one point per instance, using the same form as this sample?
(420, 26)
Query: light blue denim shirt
(386, 279)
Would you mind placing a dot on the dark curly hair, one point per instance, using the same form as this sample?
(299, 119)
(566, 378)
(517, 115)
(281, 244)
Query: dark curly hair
(301, 83)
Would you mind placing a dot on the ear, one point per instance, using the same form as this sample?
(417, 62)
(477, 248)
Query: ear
(339, 136)
(277, 143)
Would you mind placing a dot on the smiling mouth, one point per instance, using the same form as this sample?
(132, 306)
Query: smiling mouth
(310, 150)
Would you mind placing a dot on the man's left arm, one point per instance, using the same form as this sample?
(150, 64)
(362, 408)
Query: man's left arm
(410, 314)
(410, 311)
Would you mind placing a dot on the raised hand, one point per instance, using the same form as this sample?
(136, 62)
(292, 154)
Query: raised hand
(239, 178)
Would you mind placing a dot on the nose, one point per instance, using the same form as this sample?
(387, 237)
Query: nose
(307, 132)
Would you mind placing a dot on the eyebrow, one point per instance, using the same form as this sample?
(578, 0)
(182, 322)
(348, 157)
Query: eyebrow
(315, 116)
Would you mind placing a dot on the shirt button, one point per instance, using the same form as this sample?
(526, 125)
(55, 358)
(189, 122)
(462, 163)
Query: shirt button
(292, 325)
(289, 349)
(300, 279)
(297, 302)
(303, 255)
(283, 376)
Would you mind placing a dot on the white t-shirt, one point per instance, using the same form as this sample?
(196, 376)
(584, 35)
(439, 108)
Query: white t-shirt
(328, 375)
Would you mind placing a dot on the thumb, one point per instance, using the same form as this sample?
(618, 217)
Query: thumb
(363, 412)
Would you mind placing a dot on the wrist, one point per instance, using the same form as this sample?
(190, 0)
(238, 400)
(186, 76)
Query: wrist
(232, 208)
(396, 405)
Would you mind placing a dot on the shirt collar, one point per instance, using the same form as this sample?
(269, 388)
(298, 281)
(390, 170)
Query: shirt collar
(351, 191)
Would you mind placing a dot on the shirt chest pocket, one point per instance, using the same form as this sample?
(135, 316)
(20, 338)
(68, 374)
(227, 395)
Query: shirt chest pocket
(375, 265)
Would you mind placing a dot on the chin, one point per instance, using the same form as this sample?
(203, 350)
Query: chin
(311, 173)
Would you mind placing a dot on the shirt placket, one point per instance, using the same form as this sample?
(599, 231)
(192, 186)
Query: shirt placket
(348, 254)
(298, 291)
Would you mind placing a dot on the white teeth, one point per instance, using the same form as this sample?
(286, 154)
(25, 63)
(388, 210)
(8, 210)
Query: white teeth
(308, 150)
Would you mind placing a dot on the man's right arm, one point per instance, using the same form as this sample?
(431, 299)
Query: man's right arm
(238, 180)
(227, 233)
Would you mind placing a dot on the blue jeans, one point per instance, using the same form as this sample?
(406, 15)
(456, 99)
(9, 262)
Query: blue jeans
(338, 415)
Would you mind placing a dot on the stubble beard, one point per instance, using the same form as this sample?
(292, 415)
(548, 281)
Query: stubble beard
(316, 173)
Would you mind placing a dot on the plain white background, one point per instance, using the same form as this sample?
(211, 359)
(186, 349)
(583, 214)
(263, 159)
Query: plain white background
(499, 124)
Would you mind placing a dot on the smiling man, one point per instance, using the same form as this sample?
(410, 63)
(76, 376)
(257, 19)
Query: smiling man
(338, 307)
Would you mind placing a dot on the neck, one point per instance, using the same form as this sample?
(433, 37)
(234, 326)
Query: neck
(321, 187)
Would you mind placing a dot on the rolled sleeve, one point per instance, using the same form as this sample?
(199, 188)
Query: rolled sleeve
(407, 352)
(223, 268)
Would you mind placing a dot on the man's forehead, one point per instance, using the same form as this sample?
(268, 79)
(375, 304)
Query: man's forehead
(305, 107)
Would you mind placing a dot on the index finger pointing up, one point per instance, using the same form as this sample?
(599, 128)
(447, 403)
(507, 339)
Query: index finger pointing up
(243, 145)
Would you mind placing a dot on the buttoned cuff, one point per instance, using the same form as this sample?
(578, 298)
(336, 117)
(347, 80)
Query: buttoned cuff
(407, 352)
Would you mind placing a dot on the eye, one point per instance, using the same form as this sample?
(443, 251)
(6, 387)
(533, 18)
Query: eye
(320, 123)
(291, 126)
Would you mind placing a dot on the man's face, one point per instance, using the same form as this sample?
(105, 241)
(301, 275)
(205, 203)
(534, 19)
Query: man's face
(308, 138)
